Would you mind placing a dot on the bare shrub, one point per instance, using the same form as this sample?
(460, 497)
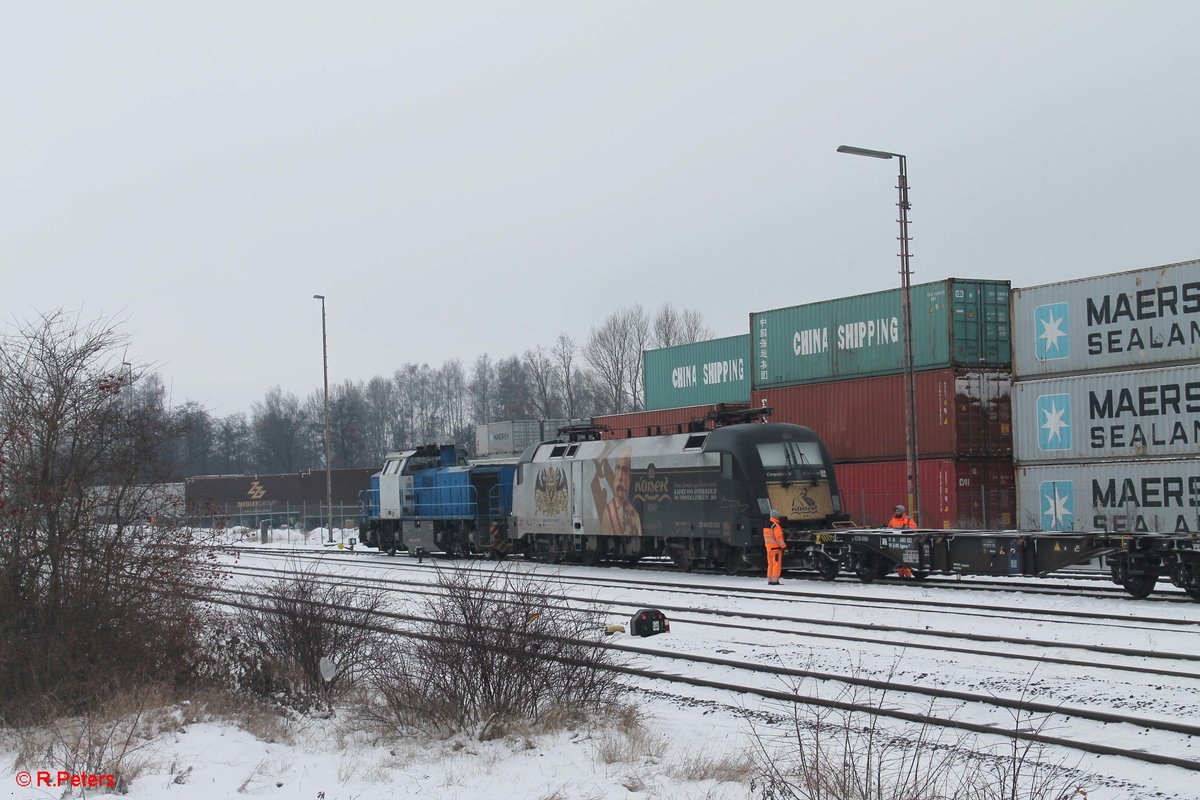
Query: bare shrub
(492, 650)
(850, 753)
(290, 625)
(98, 579)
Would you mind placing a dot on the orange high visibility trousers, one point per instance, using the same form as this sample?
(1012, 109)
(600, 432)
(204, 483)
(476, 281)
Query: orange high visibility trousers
(774, 563)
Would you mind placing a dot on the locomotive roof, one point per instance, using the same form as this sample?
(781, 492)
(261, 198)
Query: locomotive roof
(723, 438)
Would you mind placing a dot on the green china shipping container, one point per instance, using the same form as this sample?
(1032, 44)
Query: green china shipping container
(956, 323)
(697, 374)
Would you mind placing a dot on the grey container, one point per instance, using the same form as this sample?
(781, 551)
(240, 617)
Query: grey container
(512, 437)
(1126, 320)
(1154, 495)
(1152, 413)
(697, 374)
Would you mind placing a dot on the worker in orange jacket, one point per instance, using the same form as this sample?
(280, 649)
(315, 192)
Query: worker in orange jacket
(901, 520)
(775, 544)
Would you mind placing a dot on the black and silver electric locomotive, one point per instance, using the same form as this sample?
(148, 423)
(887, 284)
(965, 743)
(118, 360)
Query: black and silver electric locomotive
(700, 498)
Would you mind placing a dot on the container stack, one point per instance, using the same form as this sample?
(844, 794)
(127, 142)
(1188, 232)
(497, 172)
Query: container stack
(683, 384)
(837, 367)
(697, 374)
(1119, 355)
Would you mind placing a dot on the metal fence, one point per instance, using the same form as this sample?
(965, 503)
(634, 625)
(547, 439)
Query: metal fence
(301, 517)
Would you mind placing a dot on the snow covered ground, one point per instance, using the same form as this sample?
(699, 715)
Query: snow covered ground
(685, 732)
(323, 759)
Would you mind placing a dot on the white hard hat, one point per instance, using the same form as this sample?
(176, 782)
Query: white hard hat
(774, 513)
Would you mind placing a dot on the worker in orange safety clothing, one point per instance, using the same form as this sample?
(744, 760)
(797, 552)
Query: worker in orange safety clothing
(775, 544)
(901, 520)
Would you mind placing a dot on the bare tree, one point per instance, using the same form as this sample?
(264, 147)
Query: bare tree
(380, 425)
(96, 582)
(614, 351)
(483, 380)
(605, 351)
(694, 329)
(637, 321)
(564, 362)
(672, 327)
(543, 383)
(419, 401)
(455, 398)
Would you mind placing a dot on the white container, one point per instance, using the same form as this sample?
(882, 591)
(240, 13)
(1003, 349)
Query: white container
(1158, 496)
(1122, 416)
(1126, 320)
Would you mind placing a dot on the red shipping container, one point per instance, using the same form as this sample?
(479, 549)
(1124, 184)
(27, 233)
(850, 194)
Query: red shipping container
(665, 421)
(975, 494)
(959, 413)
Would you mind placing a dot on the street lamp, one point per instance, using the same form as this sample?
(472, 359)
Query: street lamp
(910, 401)
(328, 466)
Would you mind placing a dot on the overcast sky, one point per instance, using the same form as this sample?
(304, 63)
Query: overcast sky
(460, 177)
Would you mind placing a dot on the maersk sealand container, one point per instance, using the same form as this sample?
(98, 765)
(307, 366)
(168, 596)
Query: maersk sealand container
(955, 323)
(1108, 416)
(697, 374)
(1126, 320)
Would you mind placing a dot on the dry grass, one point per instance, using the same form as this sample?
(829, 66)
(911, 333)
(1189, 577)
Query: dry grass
(708, 764)
(110, 740)
(856, 754)
(625, 739)
(262, 720)
(117, 738)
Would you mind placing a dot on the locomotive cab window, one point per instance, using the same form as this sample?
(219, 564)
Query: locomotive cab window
(792, 461)
(558, 451)
(695, 442)
(571, 450)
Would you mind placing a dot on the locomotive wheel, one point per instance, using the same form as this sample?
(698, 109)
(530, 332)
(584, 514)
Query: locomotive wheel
(734, 561)
(683, 559)
(589, 551)
(828, 568)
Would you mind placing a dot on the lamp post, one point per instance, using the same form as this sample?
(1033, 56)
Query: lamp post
(328, 466)
(910, 401)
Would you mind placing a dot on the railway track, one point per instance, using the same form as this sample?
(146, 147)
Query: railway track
(1163, 741)
(800, 592)
(1103, 588)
